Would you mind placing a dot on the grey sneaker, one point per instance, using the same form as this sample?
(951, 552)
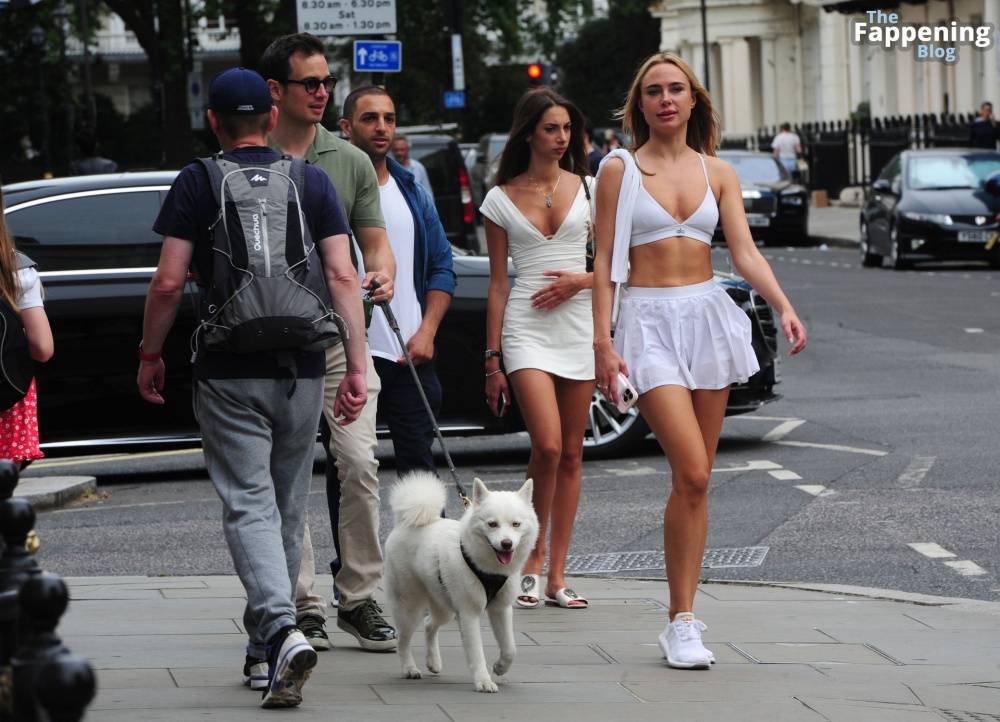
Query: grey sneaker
(290, 662)
(366, 624)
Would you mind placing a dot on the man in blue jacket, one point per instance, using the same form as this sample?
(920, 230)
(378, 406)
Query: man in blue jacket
(423, 287)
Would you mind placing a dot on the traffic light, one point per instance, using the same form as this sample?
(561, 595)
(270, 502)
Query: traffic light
(537, 75)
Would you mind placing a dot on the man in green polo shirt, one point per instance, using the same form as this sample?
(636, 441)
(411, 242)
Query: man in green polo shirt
(299, 77)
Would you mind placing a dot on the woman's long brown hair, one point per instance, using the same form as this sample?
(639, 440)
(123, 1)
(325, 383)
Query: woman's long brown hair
(702, 127)
(528, 113)
(10, 289)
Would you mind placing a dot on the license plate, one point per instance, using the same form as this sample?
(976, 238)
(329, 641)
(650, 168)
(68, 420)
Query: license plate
(756, 220)
(974, 236)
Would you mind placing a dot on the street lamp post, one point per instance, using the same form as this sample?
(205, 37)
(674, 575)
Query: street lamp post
(37, 37)
(61, 16)
(704, 43)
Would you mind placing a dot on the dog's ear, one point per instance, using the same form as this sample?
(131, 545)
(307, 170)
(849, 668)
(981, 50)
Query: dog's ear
(526, 489)
(479, 491)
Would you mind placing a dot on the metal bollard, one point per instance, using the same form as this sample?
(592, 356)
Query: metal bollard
(44, 599)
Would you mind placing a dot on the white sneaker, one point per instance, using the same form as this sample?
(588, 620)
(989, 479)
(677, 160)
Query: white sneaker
(681, 643)
(289, 666)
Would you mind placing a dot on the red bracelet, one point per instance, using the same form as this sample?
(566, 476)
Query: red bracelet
(149, 357)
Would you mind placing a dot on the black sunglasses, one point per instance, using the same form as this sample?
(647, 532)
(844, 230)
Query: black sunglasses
(311, 85)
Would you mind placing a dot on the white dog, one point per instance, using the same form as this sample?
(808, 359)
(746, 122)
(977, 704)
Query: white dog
(457, 569)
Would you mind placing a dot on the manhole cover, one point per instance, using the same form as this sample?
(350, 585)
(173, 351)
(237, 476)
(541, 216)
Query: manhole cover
(957, 715)
(639, 561)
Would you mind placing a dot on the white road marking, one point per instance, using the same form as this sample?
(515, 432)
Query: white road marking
(967, 568)
(973, 330)
(784, 475)
(931, 550)
(833, 447)
(914, 474)
(637, 471)
(761, 465)
(806, 262)
(815, 489)
(782, 430)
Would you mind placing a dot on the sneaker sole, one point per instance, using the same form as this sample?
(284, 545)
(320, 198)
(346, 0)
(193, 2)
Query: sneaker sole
(370, 645)
(292, 675)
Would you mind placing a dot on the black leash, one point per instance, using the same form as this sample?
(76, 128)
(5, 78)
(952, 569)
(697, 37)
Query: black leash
(391, 318)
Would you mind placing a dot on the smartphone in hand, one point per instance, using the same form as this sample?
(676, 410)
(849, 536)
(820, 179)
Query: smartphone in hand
(627, 395)
(501, 408)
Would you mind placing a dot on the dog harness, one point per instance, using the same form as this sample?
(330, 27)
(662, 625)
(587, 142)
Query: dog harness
(492, 583)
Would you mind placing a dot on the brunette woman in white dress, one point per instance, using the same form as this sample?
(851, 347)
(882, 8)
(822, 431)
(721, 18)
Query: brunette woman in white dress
(539, 214)
(679, 337)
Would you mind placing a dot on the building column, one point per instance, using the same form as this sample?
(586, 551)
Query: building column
(738, 106)
(833, 74)
(769, 81)
(991, 74)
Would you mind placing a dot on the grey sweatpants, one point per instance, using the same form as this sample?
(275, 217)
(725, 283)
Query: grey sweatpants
(259, 447)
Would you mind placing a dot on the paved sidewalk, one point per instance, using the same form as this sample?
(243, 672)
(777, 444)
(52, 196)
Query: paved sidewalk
(835, 225)
(171, 648)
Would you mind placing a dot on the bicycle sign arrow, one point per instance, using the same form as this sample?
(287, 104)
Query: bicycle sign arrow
(384, 56)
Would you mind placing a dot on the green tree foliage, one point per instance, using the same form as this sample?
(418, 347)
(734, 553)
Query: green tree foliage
(596, 67)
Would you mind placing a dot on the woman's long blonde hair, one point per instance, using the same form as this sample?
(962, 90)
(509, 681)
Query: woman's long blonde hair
(703, 126)
(10, 289)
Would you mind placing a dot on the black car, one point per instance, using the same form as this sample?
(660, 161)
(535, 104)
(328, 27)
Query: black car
(932, 205)
(777, 207)
(92, 240)
(445, 165)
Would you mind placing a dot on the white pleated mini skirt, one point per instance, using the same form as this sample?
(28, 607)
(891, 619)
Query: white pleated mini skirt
(691, 336)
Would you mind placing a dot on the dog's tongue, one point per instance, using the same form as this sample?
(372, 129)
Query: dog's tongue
(505, 557)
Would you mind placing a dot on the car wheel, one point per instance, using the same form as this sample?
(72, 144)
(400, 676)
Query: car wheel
(896, 259)
(868, 259)
(611, 433)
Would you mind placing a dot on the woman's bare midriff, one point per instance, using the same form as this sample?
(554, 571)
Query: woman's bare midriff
(675, 261)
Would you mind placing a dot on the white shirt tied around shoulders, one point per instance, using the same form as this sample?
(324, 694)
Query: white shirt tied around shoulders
(404, 304)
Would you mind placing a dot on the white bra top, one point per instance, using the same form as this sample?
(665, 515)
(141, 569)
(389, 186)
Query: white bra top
(651, 221)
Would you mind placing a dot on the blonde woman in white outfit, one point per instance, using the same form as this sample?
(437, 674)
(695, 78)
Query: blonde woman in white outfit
(679, 337)
(538, 213)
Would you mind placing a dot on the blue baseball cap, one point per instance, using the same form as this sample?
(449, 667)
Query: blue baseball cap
(239, 91)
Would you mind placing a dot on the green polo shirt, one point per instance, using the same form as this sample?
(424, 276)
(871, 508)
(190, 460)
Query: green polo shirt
(352, 174)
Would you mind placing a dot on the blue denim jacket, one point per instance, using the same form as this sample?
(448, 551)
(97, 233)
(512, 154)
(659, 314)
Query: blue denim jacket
(432, 261)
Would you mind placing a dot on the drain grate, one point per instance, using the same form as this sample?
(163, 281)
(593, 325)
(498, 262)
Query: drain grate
(957, 715)
(640, 561)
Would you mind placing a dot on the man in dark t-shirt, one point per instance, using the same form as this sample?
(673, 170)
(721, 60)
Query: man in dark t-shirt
(258, 425)
(983, 130)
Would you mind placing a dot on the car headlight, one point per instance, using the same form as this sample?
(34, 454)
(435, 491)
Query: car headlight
(792, 200)
(751, 194)
(942, 219)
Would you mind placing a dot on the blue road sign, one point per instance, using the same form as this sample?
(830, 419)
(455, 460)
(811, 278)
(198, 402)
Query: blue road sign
(378, 56)
(454, 98)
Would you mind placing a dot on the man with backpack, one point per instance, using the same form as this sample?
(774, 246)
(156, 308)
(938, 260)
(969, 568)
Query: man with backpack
(268, 243)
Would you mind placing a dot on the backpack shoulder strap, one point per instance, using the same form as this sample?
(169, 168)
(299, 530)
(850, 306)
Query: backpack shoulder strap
(215, 176)
(297, 172)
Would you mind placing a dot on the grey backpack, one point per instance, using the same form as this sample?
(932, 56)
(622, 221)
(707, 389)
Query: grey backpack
(267, 291)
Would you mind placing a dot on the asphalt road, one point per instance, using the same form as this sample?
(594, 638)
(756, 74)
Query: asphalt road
(878, 468)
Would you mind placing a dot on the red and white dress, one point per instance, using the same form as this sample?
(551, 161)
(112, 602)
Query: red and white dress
(19, 423)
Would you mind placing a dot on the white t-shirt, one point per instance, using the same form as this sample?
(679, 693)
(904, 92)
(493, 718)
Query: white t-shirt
(420, 173)
(405, 306)
(785, 143)
(31, 289)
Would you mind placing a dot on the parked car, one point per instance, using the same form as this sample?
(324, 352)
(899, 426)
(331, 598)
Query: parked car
(932, 205)
(441, 156)
(92, 240)
(777, 207)
(487, 158)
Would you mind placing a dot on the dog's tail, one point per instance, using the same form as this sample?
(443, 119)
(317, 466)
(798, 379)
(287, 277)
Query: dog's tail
(417, 500)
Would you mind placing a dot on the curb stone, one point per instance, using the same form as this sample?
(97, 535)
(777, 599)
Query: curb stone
(48, 492)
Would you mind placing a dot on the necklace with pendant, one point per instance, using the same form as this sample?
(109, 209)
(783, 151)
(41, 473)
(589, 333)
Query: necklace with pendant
(546, 196)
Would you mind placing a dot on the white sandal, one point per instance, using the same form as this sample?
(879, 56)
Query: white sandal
(529, 598)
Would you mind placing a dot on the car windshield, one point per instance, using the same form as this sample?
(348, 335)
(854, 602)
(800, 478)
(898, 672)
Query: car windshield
(941, 172)
(756, 169)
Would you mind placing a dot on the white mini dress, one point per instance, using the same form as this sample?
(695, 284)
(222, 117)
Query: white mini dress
(558, 341)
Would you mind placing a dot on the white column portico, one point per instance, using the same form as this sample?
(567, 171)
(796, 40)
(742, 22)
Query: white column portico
(738, 116)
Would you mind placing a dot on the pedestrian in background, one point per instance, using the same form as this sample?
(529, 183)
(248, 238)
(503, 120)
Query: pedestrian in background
(90, 162)
(539, 214)
(401, 151)
(258, 410)
(594, 154)
(983, 131)
(787, 147)
(425, 282)
(299, 77)
(21, 290)
(680, 339)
